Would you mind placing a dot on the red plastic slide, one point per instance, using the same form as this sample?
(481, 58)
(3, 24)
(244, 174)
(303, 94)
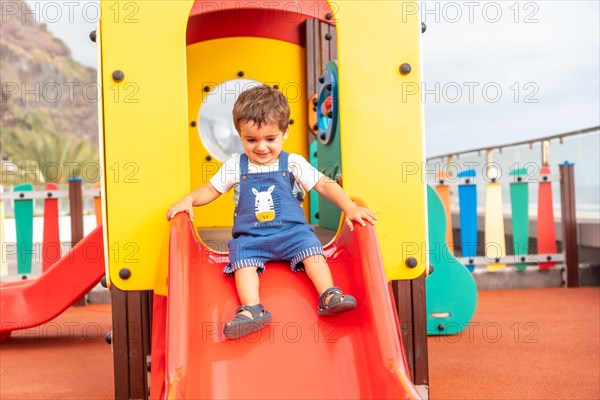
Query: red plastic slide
(300, 355)
(30, 303)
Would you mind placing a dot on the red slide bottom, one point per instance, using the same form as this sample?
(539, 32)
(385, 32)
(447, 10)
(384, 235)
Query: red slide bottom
(299, 355)
(30, 303)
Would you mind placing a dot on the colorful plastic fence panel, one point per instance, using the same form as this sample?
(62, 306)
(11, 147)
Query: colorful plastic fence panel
(51, 250)
(494, 249)
(24, 248)
(97, 203)
(495, 244)
(467, 201)
(443, 191)
(546, 233)
(519, 202)
(24, 226)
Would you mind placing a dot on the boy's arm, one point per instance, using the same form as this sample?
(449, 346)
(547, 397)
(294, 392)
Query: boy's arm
(353, 212)
(197, 197)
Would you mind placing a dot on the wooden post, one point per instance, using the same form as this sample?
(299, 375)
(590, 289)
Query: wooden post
(403, 297)
(569, 223)
(131, 341)
(321, 48)
(410, 303)
(76, 212)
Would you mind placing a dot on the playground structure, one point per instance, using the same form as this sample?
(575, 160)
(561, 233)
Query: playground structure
(140, 254)
(196, 50)
(315, 54)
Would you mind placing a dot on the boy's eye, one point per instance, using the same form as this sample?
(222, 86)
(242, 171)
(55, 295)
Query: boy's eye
(270, 139)
(250, 140)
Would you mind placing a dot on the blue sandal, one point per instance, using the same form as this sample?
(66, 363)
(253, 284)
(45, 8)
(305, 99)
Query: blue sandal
(242, 325)
(338, 302)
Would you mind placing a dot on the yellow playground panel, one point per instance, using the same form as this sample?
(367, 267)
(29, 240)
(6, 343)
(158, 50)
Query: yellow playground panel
(153, 90)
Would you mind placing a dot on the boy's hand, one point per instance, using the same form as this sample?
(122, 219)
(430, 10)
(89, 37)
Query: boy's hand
(185, 204)
(360, 215)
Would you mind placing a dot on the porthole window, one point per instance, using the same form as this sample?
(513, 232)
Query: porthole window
(216, 129)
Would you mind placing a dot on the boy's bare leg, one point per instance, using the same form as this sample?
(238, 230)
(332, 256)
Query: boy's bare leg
(318, 272)
(246, 284)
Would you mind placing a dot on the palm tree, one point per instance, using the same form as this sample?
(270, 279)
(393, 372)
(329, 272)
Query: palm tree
(45, 156)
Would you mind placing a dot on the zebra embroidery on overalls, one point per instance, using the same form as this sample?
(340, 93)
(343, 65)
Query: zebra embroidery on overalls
(263, 204)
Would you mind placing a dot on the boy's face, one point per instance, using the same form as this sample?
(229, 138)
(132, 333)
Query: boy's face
(262, 145)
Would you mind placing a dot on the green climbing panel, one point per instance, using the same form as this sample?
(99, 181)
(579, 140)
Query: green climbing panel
(328, 142)
(313, 195)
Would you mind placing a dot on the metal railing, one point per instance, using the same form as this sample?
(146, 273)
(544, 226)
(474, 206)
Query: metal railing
(580, 147)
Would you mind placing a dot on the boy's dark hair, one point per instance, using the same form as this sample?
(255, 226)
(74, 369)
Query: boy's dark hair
(262, 105)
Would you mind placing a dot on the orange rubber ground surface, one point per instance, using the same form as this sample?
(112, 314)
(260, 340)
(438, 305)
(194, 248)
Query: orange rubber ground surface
(522, 344)
(66, 358)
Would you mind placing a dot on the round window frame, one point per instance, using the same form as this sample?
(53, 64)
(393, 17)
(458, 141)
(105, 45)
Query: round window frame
(220, 95)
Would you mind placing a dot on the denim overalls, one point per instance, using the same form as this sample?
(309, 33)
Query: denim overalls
(269, 222)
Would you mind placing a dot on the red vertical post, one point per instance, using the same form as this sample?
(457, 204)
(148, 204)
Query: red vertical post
(546, 233)
(51, 250)
(569, 223)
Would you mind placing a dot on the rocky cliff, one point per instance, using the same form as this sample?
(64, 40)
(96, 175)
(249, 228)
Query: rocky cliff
(43, 90)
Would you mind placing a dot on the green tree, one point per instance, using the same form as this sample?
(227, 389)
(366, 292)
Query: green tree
(45, 156)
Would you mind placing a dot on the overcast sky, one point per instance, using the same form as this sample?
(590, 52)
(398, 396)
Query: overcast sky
(531, 71)
(495, 72)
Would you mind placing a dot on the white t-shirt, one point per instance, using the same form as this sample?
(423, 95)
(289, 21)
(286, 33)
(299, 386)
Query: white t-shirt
(228, 176)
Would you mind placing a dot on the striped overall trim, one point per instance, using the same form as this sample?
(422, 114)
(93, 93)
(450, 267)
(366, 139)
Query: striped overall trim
(311, 251)
(250, 262)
